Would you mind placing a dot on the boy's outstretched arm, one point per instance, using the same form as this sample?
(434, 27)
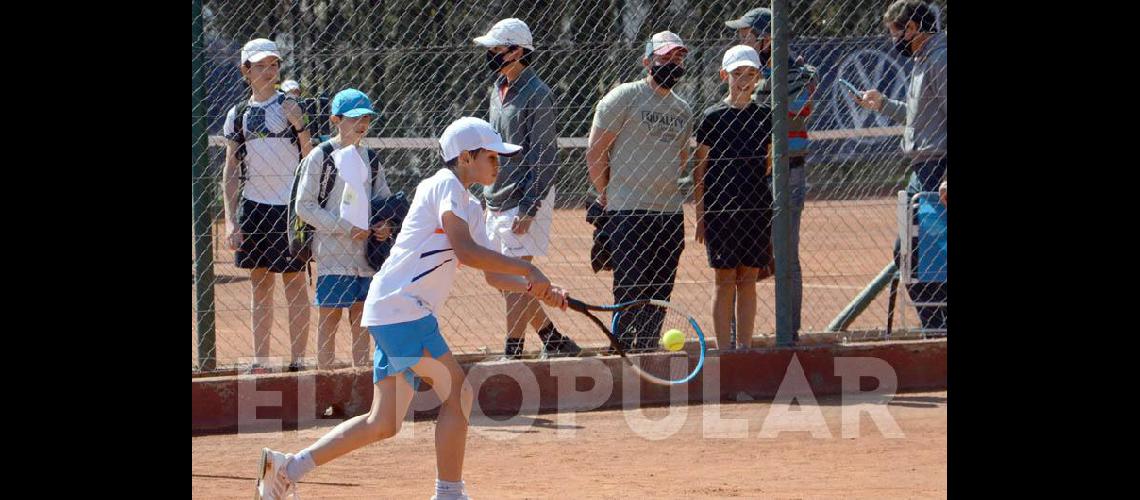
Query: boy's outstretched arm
(500, 271)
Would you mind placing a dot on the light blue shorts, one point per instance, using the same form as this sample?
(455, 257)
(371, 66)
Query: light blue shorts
(335, 290)
(401, 345)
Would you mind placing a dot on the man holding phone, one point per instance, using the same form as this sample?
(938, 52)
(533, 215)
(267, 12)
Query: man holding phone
(914, 28)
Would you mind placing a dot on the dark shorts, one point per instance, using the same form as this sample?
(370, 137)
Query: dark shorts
(265, 241)
(735, 238)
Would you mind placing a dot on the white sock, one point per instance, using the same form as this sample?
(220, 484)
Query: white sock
(300, 465)
(448, 489)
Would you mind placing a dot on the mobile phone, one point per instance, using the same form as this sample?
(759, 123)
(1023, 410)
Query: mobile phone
(851, 87)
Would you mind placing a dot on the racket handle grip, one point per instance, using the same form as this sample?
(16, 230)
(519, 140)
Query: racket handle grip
(576, 304)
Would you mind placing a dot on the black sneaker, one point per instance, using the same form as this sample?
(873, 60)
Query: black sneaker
(513, 349)
(561, 348)
(510, 357)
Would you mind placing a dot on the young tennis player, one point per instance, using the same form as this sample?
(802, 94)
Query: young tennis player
(444, 227)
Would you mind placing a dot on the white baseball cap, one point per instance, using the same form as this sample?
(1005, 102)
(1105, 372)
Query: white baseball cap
(290, 85)
(258, 49)
(509, 31)
(470, 133)
(662, 43)
(740, 55)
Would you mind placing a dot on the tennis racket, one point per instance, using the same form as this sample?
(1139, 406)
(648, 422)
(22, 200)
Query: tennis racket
(644, 322)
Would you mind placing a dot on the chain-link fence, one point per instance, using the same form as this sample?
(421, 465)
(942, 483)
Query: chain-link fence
(418, 63)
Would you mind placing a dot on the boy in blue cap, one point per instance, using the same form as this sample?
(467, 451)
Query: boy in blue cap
(343, 272)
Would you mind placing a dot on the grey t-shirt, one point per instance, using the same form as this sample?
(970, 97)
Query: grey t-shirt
(645, 159)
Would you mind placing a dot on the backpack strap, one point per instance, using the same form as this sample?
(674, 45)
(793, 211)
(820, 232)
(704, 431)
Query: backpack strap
(373, 167)
(239, 137)
(328, 170)
(289, 132)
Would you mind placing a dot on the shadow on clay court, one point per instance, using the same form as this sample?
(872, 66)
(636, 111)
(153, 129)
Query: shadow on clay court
(241, 478)
(897, 400)
(542, 423)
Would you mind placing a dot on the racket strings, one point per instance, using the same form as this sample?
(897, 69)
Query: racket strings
(641, 328)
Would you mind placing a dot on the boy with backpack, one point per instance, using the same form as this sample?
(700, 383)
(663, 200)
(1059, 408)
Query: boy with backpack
(322, 200)
(265, 137)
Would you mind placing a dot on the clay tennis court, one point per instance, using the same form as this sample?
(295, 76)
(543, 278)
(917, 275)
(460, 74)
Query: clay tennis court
(844, 244)
(604, 458)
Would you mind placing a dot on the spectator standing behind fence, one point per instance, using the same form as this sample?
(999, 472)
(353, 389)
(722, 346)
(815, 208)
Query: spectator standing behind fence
(343, 272)
(754, 29)
(914, 29)
(638, 148)
(733, 195)
(520, 204)
(265, 138)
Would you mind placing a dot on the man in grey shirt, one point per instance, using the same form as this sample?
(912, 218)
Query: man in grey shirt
(914, 27)
(520, 204)
(639, 146)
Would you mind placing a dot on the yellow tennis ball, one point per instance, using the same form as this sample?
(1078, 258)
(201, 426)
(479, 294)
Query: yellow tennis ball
(673, 340)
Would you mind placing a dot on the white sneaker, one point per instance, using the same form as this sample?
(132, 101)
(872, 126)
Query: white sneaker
(272, 482)
(461, 495)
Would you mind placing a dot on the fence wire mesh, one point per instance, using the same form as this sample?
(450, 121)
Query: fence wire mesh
(417, 62)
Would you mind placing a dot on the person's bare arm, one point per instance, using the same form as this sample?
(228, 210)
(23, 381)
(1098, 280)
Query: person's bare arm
(683, 157)
(809, 106)
(231, 195)
(598, 160)
(500, 271)
(702, 155)
(555, 295)
(296, 119)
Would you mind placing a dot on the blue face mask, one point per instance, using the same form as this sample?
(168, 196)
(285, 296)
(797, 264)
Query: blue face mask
(766, 71)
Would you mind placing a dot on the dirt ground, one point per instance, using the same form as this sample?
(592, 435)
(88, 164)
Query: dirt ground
(599, 455)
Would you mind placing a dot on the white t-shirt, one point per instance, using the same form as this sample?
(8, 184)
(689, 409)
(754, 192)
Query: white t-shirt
(418, 275)
(270, 162)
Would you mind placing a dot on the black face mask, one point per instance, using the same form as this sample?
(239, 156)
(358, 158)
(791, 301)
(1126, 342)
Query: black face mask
(667, 75)
(495, 61)
(902, 45)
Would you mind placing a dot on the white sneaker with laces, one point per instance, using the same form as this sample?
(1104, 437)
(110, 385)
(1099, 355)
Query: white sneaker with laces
(272, 482)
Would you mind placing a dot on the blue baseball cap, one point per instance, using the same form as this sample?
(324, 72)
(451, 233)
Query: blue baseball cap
(351, 103)
(759, 19)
